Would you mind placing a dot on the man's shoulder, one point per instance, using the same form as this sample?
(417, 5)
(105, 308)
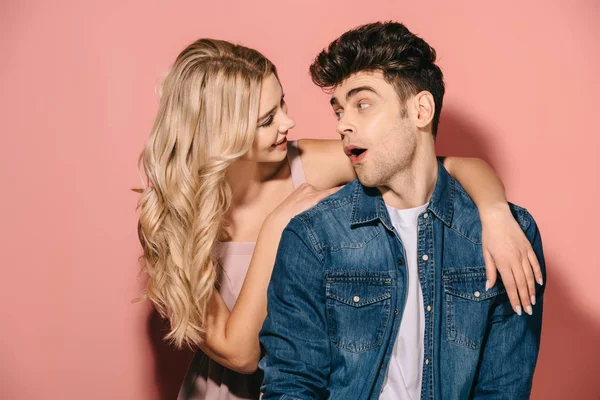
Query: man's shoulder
(337, 202)
(466, 219)
(327, 217)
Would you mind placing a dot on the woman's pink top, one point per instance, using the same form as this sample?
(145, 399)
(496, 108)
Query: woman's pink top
(205, 378)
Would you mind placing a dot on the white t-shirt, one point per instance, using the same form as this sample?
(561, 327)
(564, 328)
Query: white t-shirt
(405, 371)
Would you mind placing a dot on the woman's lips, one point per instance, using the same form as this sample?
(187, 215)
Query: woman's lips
(281, 145)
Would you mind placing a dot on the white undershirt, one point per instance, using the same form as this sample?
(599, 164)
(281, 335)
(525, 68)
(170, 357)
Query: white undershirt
(405, 371)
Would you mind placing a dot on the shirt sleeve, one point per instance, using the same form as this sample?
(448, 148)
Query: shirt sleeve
(512, 344)
(294, 336)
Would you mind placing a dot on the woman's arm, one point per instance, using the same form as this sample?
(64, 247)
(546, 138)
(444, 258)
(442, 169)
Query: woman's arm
(327, 156)
(479, 180)
(232, 337)
(505, 246)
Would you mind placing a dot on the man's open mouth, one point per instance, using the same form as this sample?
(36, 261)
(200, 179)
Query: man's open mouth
(355, 154)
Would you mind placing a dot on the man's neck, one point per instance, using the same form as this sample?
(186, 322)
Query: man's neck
(413, 186)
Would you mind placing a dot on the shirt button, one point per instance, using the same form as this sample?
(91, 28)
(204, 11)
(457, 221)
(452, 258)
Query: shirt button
(400, 262)
(396, 311)
(429, 308)
(425, 257)
(356, 299)
(477, 294)
(427, 361)
(425, 215)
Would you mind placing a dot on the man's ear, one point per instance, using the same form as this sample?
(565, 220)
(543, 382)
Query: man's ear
(425, 108)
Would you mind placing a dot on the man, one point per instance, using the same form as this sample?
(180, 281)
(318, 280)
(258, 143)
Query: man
(380, 290)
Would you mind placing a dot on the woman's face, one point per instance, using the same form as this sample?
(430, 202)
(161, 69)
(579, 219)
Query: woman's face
(270, 142)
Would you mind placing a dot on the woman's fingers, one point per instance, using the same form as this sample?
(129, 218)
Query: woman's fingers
(521, 285)
(528, 271)
(490, 270)
(535, 264)
(511, 286)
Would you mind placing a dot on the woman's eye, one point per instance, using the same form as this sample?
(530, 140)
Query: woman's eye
(267, 122)
(362, 106)
(338, 114)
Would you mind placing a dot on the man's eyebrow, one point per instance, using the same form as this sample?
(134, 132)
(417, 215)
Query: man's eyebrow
(353, 92)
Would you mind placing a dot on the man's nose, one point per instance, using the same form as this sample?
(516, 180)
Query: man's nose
(344, 127)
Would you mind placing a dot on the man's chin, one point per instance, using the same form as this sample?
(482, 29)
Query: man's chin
(366, 180)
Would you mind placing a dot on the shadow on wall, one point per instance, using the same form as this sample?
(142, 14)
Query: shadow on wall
(567, 365)
(457, 136)
(170, 364)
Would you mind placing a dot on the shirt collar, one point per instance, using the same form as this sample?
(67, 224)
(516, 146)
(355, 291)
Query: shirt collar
(368, 204)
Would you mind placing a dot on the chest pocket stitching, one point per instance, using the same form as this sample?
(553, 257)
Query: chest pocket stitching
(465, 284)
(460, 285)
(375, 300)
(349, 298)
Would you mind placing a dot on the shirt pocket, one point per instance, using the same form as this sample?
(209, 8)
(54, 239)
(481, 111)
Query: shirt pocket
(358, 309)
(468, 305)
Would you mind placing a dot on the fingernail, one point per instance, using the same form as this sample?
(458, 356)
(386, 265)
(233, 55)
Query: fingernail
(533, 300)
(518, 310)
(541, 281)
(529, 310)
(487, 285)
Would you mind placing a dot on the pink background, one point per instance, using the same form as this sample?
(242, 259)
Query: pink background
(77, 100)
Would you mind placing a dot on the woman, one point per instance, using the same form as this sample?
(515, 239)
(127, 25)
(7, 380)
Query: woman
(223, 181)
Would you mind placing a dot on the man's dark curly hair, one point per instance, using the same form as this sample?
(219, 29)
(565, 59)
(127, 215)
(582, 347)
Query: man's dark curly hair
(406, 61)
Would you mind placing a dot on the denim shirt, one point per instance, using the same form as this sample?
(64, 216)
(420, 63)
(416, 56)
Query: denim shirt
(338, 291)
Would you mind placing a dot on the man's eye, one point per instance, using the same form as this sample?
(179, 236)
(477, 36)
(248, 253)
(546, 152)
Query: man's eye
(362, 106)
(338, 114)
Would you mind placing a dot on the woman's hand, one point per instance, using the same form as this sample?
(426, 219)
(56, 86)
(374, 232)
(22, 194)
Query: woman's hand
(506, 249)
(304, 197)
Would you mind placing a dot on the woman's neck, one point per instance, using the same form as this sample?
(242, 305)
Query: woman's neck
(250, 180)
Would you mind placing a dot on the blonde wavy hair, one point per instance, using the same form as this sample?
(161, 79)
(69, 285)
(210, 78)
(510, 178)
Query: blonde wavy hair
(207, 117)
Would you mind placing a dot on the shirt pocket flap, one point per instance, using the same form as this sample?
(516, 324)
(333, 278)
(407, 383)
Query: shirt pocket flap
(469, 284)
(359, 290)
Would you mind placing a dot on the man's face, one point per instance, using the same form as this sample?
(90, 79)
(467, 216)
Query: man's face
(377, 131)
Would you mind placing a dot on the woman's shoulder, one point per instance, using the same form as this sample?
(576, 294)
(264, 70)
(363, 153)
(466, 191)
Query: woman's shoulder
(324, 162)
(319, 144)
(313, 150)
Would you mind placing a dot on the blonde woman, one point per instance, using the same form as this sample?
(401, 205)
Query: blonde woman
(223, 182)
